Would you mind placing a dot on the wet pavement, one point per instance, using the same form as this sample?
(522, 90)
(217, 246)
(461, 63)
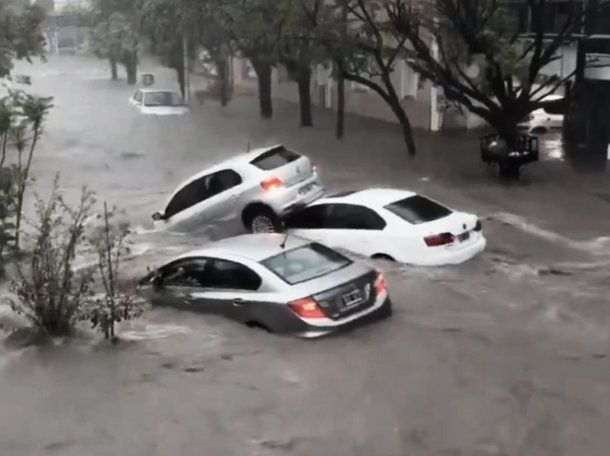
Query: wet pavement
(505, 355)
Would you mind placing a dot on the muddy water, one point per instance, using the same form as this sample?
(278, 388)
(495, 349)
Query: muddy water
(504, 355)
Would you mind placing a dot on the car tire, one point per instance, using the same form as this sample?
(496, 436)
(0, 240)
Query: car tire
(539, 130)
(262, 220)
(383, 256)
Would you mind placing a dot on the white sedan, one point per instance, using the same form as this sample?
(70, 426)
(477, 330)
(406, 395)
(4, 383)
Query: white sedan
(159, 102)
(548, 117)
(391, 224)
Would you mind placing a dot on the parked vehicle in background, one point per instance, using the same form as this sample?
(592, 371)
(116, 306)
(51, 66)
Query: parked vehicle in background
(256, 189)
(284, 284)
(547, 118)
(391, 224)
(159, 102)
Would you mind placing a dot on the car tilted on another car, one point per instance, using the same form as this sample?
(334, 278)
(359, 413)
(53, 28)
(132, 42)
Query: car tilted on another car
(255, 189)
(281, 283)
(391, 224)
(159, 102)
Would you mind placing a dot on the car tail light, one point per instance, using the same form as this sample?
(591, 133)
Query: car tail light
(271, 184)
(380, 284)
(306, 308)
(478, 226)
(439, 239)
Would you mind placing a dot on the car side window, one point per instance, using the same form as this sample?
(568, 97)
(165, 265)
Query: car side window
(185, 273)
(189, 195)
(312, 217)
(221, 181)
(353, 217)
(229, 275)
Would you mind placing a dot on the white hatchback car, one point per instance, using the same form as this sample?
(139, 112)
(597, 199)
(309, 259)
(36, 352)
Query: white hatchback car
(159, 102)
(547, 118)
(391, 224)
(257, 188)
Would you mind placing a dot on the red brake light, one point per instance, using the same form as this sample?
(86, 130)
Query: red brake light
(271, 184)
(380, 284)
(306, 308)
(439, 239)
(478, 226)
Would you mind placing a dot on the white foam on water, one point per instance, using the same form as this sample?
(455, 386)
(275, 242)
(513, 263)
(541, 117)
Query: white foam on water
(596, 246)
(153, 332)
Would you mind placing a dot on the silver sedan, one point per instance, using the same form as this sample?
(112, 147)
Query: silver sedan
(283, 284)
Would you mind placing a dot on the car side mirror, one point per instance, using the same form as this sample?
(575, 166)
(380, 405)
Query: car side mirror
(158, 216)
(157, 281)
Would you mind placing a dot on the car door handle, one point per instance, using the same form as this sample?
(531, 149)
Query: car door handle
(238, 302)
(234, 197)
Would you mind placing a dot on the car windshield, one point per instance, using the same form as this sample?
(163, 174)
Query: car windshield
(305, 263)
(418, 209)
(162, 99)
(274, 159)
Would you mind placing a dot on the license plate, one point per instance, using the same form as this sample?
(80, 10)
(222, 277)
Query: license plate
(464, 236)
(306, 189)
(352, 298)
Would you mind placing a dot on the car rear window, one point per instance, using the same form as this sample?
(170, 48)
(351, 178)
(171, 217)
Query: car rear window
(306, 263)
(418, 209)
(275, 158)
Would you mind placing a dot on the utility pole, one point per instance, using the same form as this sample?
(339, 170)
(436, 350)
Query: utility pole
(187, 84)
(340, 128)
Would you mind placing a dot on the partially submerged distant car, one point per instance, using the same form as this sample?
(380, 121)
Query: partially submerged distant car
(284, 284)
(159, 102)
(391, 224)
(255, 189)
(548, 117)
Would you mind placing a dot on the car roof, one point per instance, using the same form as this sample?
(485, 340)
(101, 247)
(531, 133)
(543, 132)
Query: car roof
(253, 247)
(371, 197)
(233, 162)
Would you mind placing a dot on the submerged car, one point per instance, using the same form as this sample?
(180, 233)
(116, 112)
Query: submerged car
(281, 283)
(391, 224)
(159, 102)
(548, 117)
(255, 189)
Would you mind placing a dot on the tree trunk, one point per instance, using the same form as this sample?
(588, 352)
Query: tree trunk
(131, 65)
(304, 84)
(263, 73)
(393, 100)
(181, 80)
(221, 66)
(114, 73)
(340, 128)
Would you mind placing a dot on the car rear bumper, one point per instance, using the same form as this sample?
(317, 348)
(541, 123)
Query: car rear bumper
(439, 256)
(309, 329)
(293, 198)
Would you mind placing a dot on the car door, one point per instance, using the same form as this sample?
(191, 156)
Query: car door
(230, 289)
(309, 223)
(222, 204)
(180, 284)
(354, 227)
(204, 202)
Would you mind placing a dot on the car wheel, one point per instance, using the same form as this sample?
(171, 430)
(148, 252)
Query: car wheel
(539, 130)
(382, 256)
(263, 221)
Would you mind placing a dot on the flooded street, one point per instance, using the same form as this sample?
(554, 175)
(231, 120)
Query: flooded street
(505, 355)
